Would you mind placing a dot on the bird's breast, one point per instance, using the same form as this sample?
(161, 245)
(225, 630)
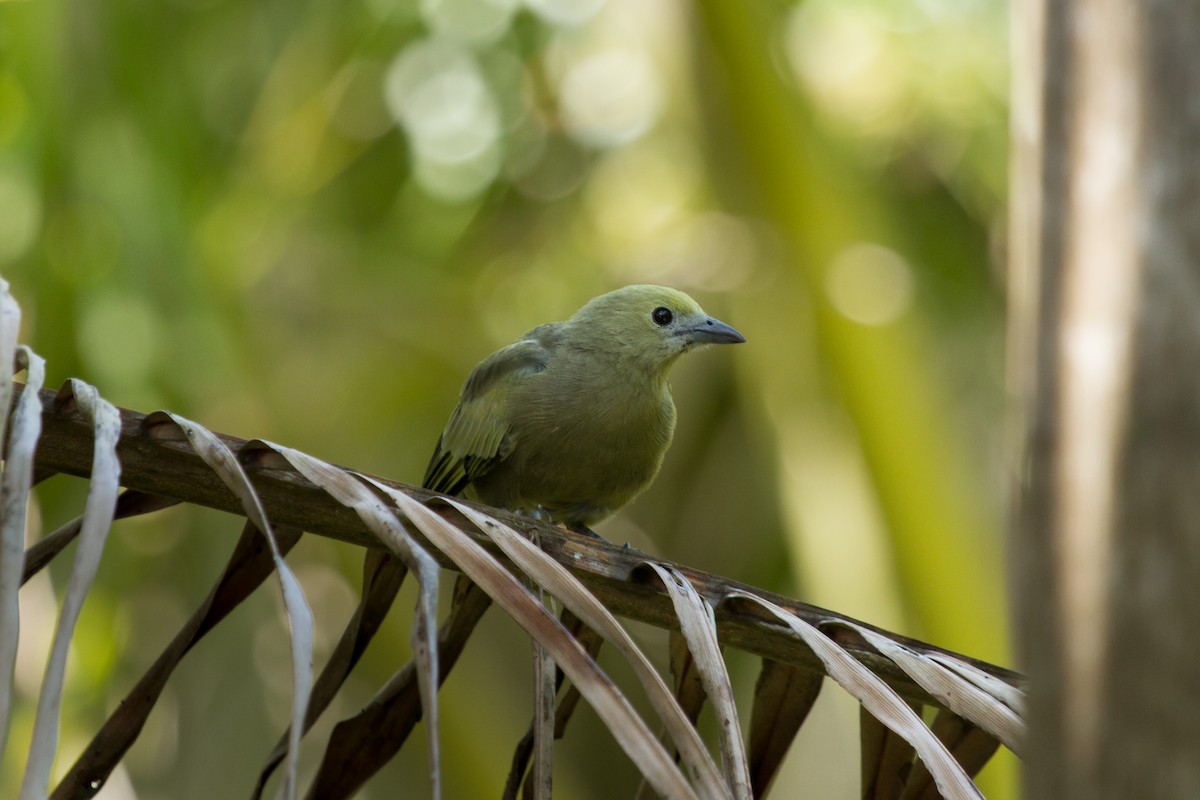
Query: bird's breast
(583, 449)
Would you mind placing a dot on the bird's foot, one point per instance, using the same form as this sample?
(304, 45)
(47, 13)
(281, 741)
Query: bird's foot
(542, 515)
(537, 512)
(579, 527)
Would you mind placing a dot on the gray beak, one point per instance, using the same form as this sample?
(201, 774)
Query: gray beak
(713, 331)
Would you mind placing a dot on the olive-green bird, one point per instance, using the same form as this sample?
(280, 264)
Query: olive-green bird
(573, 420)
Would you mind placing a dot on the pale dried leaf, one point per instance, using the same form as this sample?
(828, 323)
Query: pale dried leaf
(575, 596)
(878, 698)
(12, 543)
(349, 490)
(699, 628)
(10, 328)
(626, 726)
(97, 519)
(250, 564)
(951, 689)
(1011, 696)
(224, 463)
(783, 696)
(14, 495)
(689, 693)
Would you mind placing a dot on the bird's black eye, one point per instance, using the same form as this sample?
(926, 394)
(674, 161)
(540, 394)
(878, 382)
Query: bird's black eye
(662, 316)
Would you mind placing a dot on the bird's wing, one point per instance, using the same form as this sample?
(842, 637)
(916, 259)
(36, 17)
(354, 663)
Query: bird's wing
(478, 435)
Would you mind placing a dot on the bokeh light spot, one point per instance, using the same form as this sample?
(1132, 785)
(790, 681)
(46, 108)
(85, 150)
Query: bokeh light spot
(611, 97)
(839, 52)
(458, 180)
(434, 89)
(565, 12)
(638, 192)
(473, 21)
(869, 284)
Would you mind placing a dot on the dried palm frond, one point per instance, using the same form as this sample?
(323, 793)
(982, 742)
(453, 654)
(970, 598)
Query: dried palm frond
(162, 459)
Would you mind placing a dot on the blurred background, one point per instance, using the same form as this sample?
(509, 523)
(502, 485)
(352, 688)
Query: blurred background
(308, 221)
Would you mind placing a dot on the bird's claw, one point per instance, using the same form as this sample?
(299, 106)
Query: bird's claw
(579, 527)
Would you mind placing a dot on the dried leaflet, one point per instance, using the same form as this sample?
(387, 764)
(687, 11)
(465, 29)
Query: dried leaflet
(222, 461)
(878, 698)
(349, 490)
(12, 531)
(971, 746)
(955, 692)
(1010, 695)
(699, 629)
(97, 519)
(575, 596)
(14, 495)
(545, 691)
(362, 743)
(886, 760)
(10, 328)
(591, 644)
(783, 696)
(689, 691)
(250, 564)
(382, 575)
(626, 726)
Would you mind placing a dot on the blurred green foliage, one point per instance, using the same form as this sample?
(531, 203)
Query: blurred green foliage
(308, 221)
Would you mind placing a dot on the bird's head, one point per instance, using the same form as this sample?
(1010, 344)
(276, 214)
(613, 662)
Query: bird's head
(649, 326)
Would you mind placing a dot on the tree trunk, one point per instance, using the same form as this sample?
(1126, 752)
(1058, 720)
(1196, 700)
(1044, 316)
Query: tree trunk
(1105, 357)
